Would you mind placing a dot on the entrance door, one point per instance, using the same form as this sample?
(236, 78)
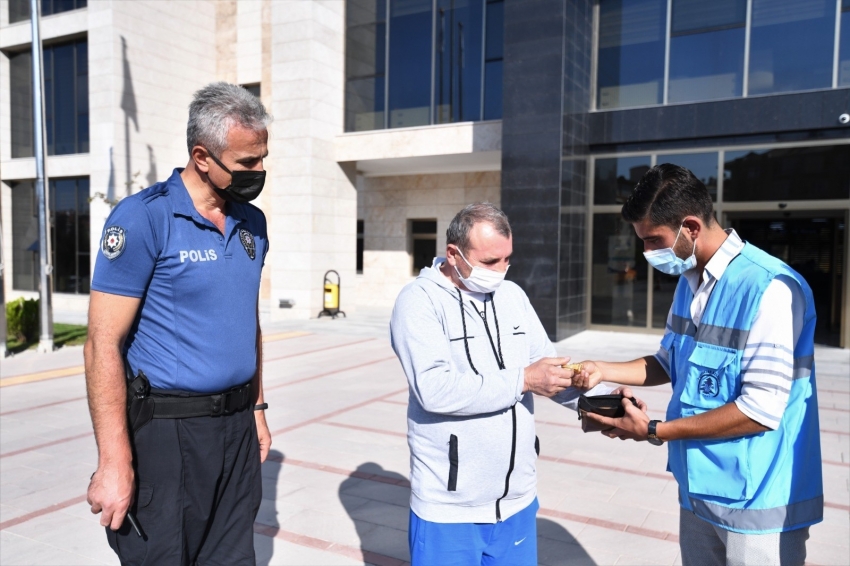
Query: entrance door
(813, 244)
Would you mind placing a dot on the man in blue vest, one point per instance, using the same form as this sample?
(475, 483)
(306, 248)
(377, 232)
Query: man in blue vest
(742, 424)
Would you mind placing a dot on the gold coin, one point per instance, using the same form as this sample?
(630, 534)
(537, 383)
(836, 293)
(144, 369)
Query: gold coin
(575, 367)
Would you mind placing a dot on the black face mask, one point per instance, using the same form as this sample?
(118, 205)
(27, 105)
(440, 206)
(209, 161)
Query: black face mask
(244, 186)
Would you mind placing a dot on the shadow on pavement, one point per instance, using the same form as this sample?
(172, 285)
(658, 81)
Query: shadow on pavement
(264, 545)
(375, 497)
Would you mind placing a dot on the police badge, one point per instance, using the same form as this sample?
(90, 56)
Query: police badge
(113, 242)
(247, 239)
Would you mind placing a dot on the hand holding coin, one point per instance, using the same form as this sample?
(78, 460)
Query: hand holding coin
(575, 367)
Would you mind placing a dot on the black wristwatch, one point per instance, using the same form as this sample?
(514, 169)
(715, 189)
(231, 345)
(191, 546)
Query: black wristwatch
(652, 437)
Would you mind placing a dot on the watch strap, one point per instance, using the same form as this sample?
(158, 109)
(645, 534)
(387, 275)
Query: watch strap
(652, 435)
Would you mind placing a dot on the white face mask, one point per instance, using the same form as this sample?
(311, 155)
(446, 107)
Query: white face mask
(666, 260)
(481, 280)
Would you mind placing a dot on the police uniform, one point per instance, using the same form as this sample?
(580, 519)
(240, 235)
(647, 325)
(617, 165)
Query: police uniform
(198, 484)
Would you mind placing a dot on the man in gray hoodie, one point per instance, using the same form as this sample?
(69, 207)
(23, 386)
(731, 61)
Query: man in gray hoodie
(474, 351)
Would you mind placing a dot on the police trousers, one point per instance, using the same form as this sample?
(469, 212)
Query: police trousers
(198, 490)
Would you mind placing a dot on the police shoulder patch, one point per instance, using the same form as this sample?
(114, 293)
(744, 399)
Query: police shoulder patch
(113, 243)
(247, 239)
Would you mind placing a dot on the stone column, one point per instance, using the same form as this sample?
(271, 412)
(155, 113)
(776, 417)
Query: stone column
(313, 227)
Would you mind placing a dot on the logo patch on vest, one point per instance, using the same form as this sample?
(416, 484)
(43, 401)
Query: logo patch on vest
(247, 239)
(708, 385)
(113, 242)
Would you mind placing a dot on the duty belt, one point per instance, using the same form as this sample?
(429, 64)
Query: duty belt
(144, 404)
(229, 402)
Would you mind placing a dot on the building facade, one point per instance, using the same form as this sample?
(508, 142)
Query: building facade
(390, 115)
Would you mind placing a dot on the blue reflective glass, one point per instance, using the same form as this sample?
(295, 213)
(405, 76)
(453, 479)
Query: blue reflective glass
(844, 46)
(631, 52)
(493, 53)
(702, 165)
(791, 45)
(457, 60)
(66, 98)
(615, 177)
(62, 97)
(70, 234)
(795, 173)
(495, 30)
(493, 90)
(19, 10)
(410, 63)
(707, 50)
(365, 65)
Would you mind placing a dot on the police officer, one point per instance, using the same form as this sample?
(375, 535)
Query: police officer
(174, 308)
(742, 424)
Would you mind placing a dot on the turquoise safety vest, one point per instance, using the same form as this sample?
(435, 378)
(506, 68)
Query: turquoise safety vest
(762, 483)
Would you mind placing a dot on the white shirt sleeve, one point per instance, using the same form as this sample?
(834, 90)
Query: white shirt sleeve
(662, 355)
(767, 369)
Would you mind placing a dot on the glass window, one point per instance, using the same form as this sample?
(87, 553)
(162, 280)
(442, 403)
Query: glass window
(631, 52)
(24, 237)
(844, 48)
(424, 243)
(457, 60)
(702, 165)
(19, 10)
(791, 45)
(69, 202)
(707, 49)
(66, 100)
(493, 57)
(787, 174)
(812, 243)
(619, 276)
(360, 247)
(69, 235)
(20, 83)
(417, 62)
(615, 177)
(663, 289)
(253, 89)
(365, 63)
(410, 63)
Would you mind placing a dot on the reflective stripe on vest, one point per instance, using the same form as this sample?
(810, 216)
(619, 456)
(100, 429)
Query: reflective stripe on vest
(803, 512)
(767, 482)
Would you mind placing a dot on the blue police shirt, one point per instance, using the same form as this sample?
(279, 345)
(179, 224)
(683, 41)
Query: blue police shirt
(196, 329)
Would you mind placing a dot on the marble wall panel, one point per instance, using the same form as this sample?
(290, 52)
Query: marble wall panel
(386, 204)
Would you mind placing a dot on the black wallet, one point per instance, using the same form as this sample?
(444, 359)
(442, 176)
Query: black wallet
(605, 405)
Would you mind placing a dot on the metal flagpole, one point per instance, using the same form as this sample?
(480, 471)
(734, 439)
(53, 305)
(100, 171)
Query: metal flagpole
(45, 339)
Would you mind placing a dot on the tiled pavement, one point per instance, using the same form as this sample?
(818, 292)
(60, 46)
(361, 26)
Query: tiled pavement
(335, 488)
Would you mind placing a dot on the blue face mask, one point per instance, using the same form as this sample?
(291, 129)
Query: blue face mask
(666, 260)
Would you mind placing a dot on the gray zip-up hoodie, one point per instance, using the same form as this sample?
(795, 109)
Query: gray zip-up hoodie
(473, 448)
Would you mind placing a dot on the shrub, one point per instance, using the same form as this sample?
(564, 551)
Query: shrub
(22, 319)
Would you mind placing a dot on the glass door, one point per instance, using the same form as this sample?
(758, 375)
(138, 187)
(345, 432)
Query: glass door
(813, 244)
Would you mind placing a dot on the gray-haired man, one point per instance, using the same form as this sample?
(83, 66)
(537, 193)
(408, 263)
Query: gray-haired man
(174, 304)
(474, 351)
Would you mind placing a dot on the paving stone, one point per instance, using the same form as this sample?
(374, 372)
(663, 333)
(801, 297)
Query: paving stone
(332, 515)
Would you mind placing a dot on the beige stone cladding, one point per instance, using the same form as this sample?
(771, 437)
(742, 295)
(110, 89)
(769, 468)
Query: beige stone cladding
(387, 204)
(313, 200)
(145, 59)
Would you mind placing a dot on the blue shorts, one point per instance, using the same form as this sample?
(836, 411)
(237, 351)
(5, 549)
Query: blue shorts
(509, 543)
